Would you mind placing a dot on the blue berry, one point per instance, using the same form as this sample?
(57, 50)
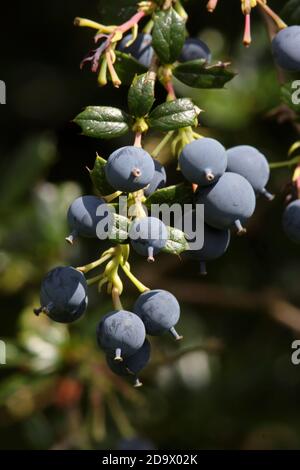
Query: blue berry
(121, 333)
(160, 312)
(83, 220)
(231, 201)
(131, 366)
(148, 236)
(129, 169)
(194, 49)
(253, 165)
(63, 295)
(215, 243)
(141, 49)
(158, 181)
(203, 161)
(291, 221)
(286, 48)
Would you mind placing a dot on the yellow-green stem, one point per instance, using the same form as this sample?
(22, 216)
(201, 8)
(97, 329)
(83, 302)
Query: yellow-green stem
(162, 144)
(140, 287)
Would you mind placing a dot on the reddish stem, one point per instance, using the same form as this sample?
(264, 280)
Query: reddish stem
(247, 32)
(211, 6)
(170, 89)
(130, 23)
(138, 139)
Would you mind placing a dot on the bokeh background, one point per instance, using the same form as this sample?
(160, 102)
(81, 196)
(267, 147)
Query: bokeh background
(230, 383)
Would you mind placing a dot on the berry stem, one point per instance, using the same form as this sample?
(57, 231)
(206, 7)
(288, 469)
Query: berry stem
(116, 299)
(94, 280)
(162, 144)
(293, 161)
(105, 257)
(138, 140)
(279, 22)
(140, 287)
(170, 89)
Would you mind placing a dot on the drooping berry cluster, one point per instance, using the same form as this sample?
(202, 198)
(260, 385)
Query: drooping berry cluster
(225, 182)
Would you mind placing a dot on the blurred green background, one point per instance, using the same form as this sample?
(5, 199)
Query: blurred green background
(230, 383)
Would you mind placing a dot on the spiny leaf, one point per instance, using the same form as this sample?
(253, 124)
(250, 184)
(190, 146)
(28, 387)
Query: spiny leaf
(198, 75)
(168, 35)
(173, 115)
(103, 122)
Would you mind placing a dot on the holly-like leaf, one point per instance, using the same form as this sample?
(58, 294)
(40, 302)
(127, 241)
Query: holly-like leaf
(181, 193)
(290, 95)
(176, 243)
(291, 12)
(127, 67)
(141, 94)
(168, 35)
(98, 177)
(103, 122)
(198, 75)
(173, 115)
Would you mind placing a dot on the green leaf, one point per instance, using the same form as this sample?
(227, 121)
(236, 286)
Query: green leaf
(141, 95)
(176, 243)
(198, 75)
(290, 95)
(127, 67)
(98, 177)
(291, 12)
(180, 193)
(173, 115)
(103, 122)
(168, 35)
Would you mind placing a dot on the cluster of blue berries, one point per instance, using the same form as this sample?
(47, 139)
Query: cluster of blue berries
(120, 333)
(63, 297)
(228, 184)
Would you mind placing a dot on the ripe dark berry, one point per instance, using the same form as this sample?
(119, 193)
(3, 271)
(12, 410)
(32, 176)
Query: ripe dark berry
(140, 49)
(129, 169)
(121, 333)
(215, 243)
(286, 48)
(63, 295)
(291, 221)
(158, 181)
(160, 312)
(203, 161)
(253, 165)
(194, 49)
(131, 366)
(83, 219)
(148, 236)
(231, 201)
